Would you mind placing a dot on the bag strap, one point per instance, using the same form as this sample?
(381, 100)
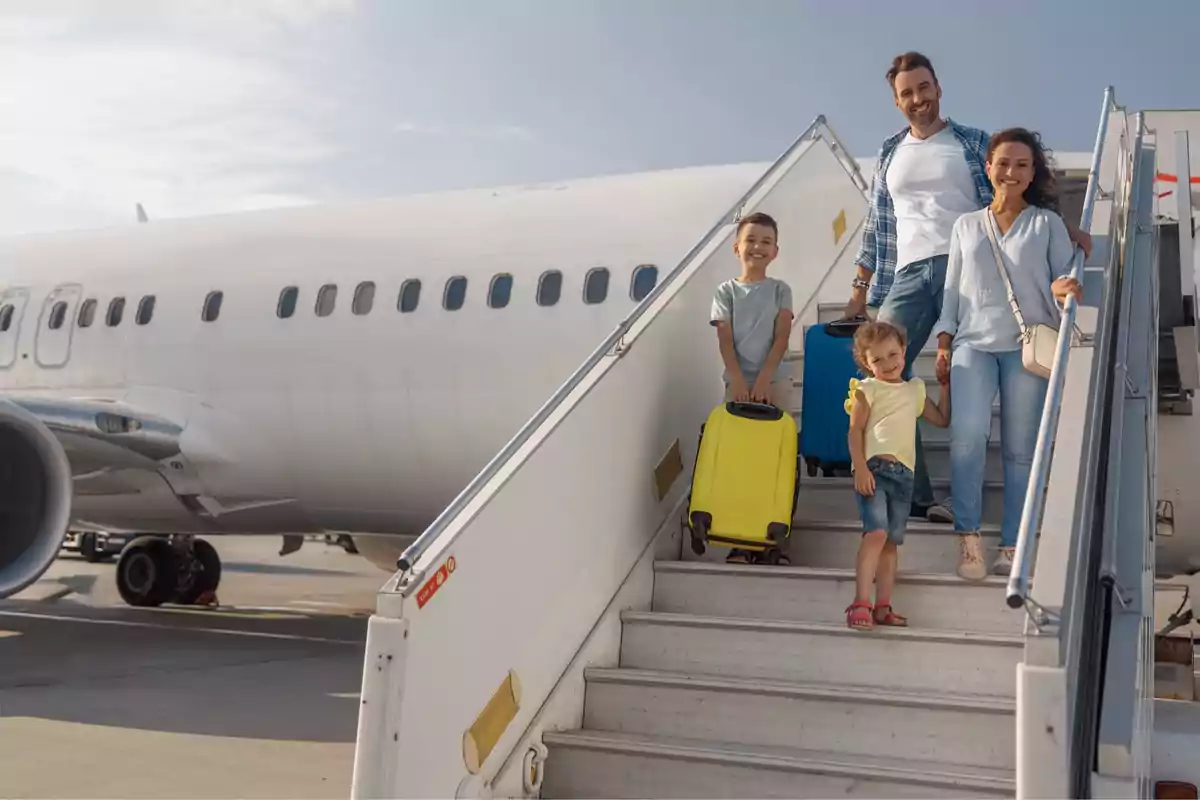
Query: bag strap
(1012, 297)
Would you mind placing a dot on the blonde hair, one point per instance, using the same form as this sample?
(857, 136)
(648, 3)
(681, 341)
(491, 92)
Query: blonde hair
(870, 334)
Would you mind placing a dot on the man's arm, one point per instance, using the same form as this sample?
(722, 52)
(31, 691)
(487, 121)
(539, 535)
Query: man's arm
(1081, 238)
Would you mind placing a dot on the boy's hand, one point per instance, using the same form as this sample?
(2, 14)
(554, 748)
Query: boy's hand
(943, 367)
(762, 390)
(741, 392)
(864, 482)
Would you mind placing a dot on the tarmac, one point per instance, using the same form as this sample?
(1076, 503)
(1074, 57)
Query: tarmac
(257, 698)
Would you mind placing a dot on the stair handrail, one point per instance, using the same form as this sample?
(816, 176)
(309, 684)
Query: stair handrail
(414, 551)
(1017, 591)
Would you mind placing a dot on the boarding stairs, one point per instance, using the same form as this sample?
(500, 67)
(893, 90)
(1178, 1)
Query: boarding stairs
(552, 635)
(744, 681)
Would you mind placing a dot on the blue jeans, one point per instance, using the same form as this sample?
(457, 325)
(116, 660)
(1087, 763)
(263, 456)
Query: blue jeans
(914, 304)
(975, 377)
(887, 509)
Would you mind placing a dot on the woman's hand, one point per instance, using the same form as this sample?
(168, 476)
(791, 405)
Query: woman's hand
(1065, 287)
(942, 369)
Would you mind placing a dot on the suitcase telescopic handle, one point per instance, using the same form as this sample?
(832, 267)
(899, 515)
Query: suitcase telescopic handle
(760, 411)
(845, 328)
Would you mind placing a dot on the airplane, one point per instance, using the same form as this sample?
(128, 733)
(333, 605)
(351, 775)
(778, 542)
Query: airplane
(341, 369)
(330, 370)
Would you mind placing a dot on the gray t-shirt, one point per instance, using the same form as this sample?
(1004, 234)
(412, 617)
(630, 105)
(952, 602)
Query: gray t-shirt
(753, 308)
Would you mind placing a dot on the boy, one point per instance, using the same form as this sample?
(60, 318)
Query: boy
(753, 317)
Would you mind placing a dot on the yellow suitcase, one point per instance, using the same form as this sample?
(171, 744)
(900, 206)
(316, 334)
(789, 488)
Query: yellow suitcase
(745, 481)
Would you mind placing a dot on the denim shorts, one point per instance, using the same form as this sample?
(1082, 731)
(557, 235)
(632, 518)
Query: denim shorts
(888, 509)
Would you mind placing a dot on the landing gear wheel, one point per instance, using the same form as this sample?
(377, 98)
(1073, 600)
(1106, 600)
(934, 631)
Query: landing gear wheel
(87, 548)
(147, 572)
(201, 576)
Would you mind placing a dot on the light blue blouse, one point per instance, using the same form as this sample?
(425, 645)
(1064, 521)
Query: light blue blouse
(975, 310)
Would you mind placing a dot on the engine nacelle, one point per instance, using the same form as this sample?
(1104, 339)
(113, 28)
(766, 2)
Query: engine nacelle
(35, 498)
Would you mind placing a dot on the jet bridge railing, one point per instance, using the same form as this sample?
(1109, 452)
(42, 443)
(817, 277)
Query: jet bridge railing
(474, 645)
(1018, 582)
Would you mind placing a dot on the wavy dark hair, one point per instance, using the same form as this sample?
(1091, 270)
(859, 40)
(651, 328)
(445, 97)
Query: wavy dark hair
(1043, 189)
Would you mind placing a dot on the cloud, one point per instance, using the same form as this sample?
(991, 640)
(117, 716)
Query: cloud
(511, 132)
(97, 115)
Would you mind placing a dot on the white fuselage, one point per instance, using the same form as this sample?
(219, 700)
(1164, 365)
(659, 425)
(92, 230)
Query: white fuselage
(350, 422)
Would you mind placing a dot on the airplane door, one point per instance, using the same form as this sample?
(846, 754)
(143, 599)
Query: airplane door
(56, 326)
(12, 312)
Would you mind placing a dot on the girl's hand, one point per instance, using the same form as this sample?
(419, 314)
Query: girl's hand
(864, 482)
(942, 370)
(1065, 287)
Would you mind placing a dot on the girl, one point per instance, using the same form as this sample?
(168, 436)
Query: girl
(884, 410)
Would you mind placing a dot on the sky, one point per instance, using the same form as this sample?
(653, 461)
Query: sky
(196, 107)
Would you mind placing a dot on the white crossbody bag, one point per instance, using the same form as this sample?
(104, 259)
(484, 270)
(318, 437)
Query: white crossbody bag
(1037, 343)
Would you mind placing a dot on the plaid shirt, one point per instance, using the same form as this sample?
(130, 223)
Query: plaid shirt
(878, 250)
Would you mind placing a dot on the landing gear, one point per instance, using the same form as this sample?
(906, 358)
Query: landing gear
(154, 570)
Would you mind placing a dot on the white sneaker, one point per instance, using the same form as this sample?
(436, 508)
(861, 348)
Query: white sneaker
(971, 566)
(1004, 561)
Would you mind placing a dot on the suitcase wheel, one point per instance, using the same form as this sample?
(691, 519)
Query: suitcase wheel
(772, 556)
(811, 464)
(699, 530)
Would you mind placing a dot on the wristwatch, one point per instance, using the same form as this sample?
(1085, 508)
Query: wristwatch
(859, 283)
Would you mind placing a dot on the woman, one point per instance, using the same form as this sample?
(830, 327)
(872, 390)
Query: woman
(979, 339)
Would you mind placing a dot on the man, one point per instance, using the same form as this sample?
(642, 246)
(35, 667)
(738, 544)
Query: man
(928, 174)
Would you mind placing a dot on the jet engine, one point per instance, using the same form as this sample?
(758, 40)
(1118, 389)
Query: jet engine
(35, 498)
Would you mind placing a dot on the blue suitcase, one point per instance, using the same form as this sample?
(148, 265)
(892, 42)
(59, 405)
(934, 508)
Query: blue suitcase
(824, 424)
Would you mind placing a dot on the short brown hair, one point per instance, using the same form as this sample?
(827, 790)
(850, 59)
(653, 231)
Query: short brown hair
(872, 333)
(907, 62)
(758, 218)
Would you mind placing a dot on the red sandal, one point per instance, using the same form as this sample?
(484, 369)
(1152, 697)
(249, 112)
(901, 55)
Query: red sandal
(889, 619)
(858, 616)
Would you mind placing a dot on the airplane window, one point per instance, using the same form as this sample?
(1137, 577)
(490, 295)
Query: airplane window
(549, 287)
(87, 312)
(410, 295)
(58, 314)
(6, 315)
(644, 280)
(595, 286)
(501, 291)
(116, 310)
(287, 302)
(326, 299)
(364, 298)
(145, 310)
(456, 293)
(212, 306)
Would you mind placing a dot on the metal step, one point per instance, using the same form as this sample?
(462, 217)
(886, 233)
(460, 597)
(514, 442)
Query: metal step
(928, 547)
(602, 764)
(803, 593)
(833, 498)
(862, 720)
(814, 652)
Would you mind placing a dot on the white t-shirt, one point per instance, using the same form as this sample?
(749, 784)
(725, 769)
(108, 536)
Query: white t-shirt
(931, 187)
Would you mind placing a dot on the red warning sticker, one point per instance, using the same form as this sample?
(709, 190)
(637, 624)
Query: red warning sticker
(435, 582)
